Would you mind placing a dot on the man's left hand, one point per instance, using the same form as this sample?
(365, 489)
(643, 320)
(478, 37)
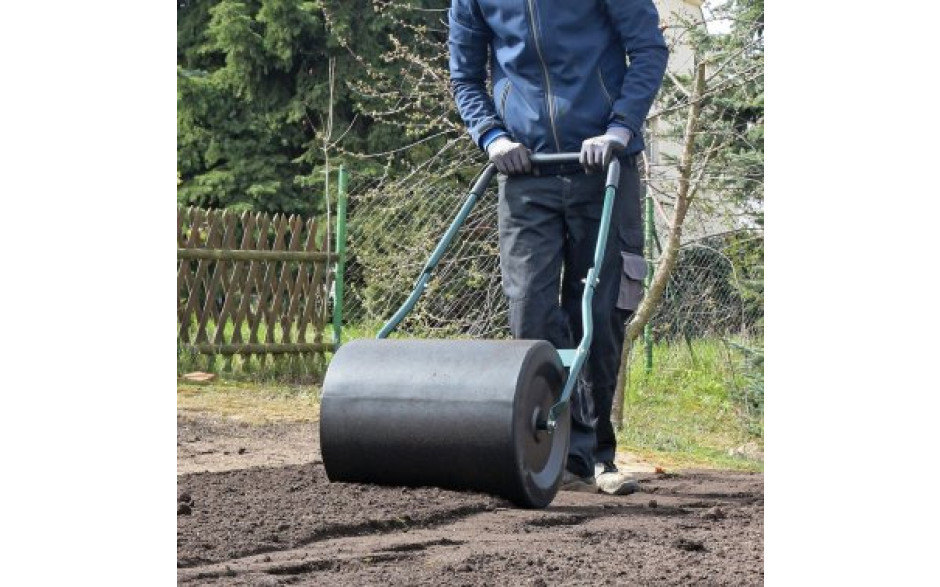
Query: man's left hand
(596, 152)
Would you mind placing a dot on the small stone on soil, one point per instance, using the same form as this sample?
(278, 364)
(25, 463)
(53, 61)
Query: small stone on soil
(184, 509)
(185, 498)
(242, 451)
(714, 513)
(464, 568)
(689, 545)
(652, 503)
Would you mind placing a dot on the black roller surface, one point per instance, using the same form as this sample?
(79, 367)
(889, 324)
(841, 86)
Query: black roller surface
(456, 414)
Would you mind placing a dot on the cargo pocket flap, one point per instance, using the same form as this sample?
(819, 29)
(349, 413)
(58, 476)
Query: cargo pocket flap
(634, 266)
(631, 281)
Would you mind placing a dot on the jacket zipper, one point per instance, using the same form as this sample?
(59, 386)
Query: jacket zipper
(550, 97)
(502, 100)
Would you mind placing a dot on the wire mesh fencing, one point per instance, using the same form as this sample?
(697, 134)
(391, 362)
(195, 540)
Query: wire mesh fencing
(716, 288)
(392, 229)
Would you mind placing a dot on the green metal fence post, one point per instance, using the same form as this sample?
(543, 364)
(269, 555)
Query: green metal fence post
(338, 280)
(648, 238)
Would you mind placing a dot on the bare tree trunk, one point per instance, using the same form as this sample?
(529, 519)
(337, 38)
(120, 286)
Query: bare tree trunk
(683, 199)
(684, 195)
(616, 413)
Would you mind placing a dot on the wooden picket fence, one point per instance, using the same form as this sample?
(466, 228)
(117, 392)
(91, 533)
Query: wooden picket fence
(251, 284)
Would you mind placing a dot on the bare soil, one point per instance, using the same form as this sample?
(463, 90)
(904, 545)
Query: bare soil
(254, 507)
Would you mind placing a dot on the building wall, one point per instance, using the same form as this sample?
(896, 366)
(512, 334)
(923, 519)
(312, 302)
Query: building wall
(664, 144)
(672, 13)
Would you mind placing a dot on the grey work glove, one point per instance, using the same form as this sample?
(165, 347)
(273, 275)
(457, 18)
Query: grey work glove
(509, 157)
(596, 152)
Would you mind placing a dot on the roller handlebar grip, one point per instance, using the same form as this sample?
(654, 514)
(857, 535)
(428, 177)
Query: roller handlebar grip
(549, 158)
(613, 168)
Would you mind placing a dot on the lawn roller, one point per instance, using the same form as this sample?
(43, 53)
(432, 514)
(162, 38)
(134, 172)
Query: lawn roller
(479, 415)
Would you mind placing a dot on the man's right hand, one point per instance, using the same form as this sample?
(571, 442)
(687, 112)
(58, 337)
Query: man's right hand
(596, 152)
(509, 157)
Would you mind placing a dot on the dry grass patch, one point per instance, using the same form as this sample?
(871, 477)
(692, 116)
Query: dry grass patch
(251, 403)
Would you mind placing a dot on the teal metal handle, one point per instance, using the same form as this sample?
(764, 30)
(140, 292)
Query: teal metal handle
(590, 283)
(479, 186)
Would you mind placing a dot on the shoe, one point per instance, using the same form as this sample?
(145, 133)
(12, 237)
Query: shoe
(572, 482)
(609, 467)
(612, 482)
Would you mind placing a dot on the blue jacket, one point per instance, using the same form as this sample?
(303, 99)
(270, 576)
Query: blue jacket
(559, 68)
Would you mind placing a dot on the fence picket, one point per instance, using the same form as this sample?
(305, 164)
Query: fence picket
(239, 285)
(192, 281)
(287, 286)
(213, 240)
(308, 287)
(270, 317)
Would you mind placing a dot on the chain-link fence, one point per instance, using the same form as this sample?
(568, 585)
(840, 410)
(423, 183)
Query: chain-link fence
(715, 289)
(392, 228)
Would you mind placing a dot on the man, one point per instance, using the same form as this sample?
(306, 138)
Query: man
(561, 83)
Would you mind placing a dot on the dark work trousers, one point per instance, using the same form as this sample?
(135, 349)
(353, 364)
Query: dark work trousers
(547, 235)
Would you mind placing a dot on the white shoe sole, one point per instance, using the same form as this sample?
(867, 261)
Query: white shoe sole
(617, 485)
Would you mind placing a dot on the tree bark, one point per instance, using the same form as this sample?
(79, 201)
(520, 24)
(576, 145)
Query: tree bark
(684, 195)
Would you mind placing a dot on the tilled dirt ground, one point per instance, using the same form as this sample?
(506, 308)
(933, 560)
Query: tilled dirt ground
(254, 507)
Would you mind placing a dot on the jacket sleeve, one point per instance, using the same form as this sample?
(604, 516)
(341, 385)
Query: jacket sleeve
(637, 24)
(469, 41)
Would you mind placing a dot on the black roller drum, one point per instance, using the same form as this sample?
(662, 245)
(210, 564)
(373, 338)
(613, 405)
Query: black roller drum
(456, 414)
